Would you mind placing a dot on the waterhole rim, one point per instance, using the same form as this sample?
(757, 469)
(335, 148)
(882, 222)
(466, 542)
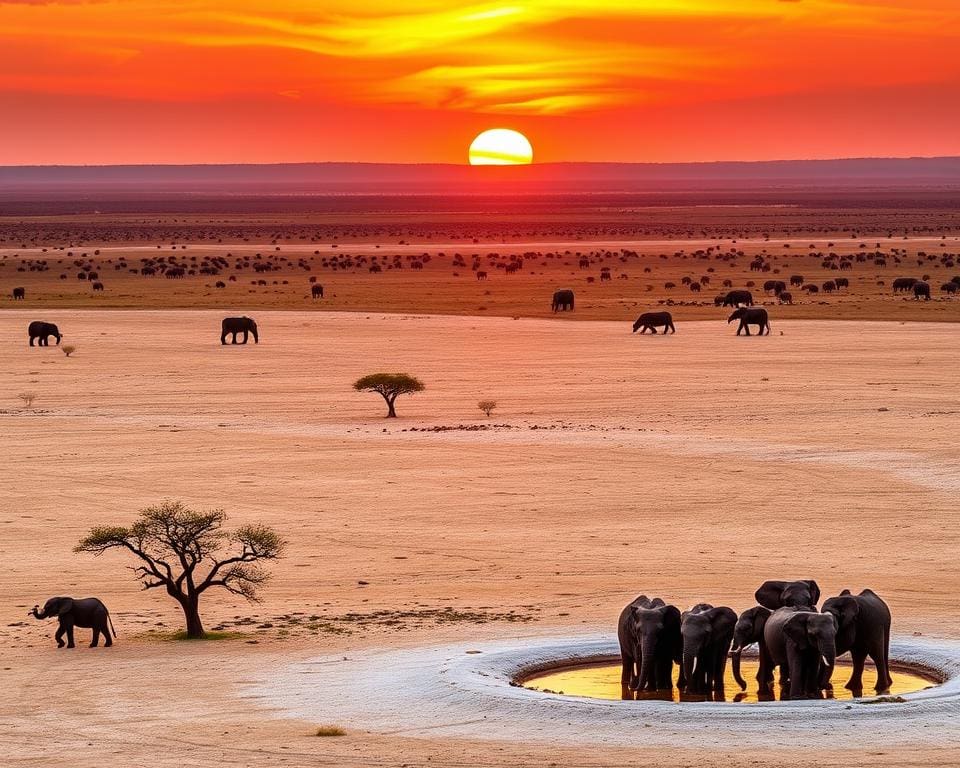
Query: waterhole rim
(529, 673)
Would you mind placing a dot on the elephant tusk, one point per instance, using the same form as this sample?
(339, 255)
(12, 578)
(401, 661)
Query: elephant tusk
(825, 662)
(694, 667)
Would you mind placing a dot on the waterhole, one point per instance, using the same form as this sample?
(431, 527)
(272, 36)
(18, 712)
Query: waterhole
(602, 681)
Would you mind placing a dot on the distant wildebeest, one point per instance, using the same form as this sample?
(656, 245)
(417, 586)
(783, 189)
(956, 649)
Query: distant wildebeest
(42, 332)
(220, 284)
(719, 299)
(785, 298)
(796, 279)
(695, 287)
(904, 284)
(317, 291)
(481, 275)
(829, 286)
(949, 287)
(97, 286)
(811, 288)
(736, 298)
(562, 301)
(236, 325)
(842, 282)
(750, 316)
(921, 289)
(777, 286)
(653, 320)
(604, 276)
(584, 263)
(19, 294)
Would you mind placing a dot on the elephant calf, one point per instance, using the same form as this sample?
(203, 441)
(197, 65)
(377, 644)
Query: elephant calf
(87, 612)
(707, 633)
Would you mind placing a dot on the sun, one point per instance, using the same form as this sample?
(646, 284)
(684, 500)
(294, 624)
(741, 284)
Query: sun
(501, 146)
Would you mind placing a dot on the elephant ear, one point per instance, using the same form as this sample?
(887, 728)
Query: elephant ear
(770, 594)
(722, 620)
(795, 629)
(814, 590)
(66, 605)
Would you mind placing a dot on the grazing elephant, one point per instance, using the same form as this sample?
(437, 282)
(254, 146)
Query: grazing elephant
(19, 294)
(42, 332)
(804, 641)
(863, 628)
(88, 612)
(921, 289)
(235, 325)
(749, 630)
(707, 633)
(738, 298)
(650, 644)
(748, 317)
(653, 320)
(562, 301)
(780, 594)
(904, 284)
(785, 297)
(317, 291)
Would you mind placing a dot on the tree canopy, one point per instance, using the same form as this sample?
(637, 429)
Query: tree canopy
(181, 550)
(389, 386)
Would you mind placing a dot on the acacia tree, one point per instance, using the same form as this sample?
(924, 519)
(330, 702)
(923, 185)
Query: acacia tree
(180, 550)
(389, 386)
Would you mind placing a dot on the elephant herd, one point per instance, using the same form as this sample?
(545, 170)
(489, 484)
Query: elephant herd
(650, 321)
(41, 331)
(789, 630)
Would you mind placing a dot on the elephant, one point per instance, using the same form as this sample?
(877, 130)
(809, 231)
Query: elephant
(738, 298)
(562, 301)
(777, 286)
(653, 320)
(42, 332)
(706, 633)
(19, 294)
(863, 628)
(235, 325)
(748, 317)
(747, 631)
(650, 644)
(805, 641)
(785, 297)
(317, 291)
(921, 289)
(780, 594)
(87, 612)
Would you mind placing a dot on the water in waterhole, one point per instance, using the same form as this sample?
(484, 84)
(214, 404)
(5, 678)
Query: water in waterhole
(602, 681)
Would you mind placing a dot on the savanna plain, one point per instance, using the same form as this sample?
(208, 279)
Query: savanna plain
(692, 466)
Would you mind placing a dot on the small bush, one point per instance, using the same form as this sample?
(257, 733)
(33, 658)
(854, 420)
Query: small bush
(487, 406)
(68, 349)
(325, 731)
(28, 398)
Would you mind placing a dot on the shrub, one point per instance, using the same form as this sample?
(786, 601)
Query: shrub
(28, 398)
(326, 731)
(487, 406)
(68, 349)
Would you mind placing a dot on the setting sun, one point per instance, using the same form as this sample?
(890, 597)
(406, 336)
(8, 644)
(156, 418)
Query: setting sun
(501, 146)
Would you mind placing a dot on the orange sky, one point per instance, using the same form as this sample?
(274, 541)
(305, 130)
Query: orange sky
(125, 81)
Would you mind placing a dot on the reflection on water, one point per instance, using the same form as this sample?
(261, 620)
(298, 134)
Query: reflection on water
(603, 682)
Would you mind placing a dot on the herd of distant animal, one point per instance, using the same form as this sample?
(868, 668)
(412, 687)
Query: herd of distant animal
(791, 633)
(41, 332)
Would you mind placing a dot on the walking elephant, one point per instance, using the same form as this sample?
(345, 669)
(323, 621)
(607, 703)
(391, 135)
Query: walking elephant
(780, 594)
(804, 641)
(863, 628)
(749, 316)
(235, 325)
(41, 332)
(562, 301)
(653, 320)
(706, 633)
(87, 612)
(747, 631)
(738, 298)
(650, 644)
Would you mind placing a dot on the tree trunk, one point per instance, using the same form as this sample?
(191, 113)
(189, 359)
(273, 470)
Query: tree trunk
(391, 413)
(191, 612)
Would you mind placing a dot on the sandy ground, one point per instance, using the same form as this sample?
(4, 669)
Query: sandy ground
(693, 466)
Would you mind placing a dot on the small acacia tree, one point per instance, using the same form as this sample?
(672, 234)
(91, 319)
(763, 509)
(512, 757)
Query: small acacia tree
(180, 550)
(487, 406)
(389, 386)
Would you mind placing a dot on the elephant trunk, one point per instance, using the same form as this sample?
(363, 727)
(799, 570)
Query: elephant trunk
(690, 650)
(648, 646)
(735, 659)
(36, 613)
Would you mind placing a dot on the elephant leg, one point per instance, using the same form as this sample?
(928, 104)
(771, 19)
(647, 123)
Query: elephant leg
(246, 336)
(626, 671)
(105, 631)
(885, 651)
(856, 679)
(67, 626)
(31, 341)
(796, 666)
(653, 330)
(234, 338)
(223, 338)
(94, 641)
(59, 636)
(883, 670)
